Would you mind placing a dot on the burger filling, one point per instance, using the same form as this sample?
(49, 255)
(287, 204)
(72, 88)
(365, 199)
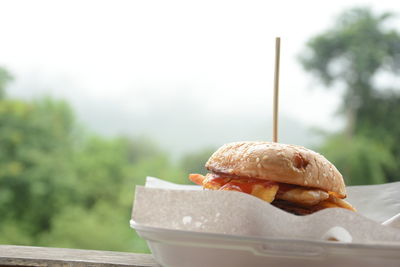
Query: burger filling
(292, 198)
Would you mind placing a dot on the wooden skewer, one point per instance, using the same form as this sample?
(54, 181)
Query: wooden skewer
(276, 90)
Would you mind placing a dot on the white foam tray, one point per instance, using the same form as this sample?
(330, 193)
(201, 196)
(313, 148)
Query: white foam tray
(177, 248)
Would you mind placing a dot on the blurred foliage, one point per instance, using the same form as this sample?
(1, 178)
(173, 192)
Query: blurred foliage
(353, 52)
(194, 162)
(361, 160)
(62, 186)
(5, 77)
(36, 141)
(351, 55)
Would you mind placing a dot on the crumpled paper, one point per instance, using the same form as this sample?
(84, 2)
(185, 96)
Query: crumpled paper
(166, 205)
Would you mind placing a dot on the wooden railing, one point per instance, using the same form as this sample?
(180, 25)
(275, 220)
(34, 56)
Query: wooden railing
(60, 257)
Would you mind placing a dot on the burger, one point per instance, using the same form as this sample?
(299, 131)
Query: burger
(292, 178)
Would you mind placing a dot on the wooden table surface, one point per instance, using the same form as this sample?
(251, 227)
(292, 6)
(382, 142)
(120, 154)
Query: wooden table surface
(41, 256)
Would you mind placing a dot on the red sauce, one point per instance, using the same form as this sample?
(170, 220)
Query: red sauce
(215, 183)
(241, 184)
(236, 183)
(232, 186)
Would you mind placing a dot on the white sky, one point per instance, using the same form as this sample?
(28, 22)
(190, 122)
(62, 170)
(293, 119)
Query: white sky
(130, 56)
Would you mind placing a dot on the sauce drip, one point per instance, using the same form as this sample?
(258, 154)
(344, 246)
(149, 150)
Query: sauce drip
(241, 184)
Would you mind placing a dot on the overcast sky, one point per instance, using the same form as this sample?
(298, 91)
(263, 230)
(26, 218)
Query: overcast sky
(115, 61)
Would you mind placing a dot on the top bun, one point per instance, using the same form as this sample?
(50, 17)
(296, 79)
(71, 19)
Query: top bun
(277, 162)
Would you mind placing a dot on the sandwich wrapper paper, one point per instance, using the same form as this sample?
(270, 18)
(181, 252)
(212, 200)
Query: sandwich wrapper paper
(166, 205)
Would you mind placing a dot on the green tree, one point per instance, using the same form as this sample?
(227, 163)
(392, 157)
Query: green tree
(194, 162)
(5, 78)
(358, 48)
(63, 186)
(141, 148)
(107, 175)
(351, 54)
(361, 159)
(37, 143)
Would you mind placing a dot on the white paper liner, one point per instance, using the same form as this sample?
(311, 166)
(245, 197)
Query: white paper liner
(166, 205)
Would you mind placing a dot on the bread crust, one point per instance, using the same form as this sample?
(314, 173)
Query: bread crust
(277, 162)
